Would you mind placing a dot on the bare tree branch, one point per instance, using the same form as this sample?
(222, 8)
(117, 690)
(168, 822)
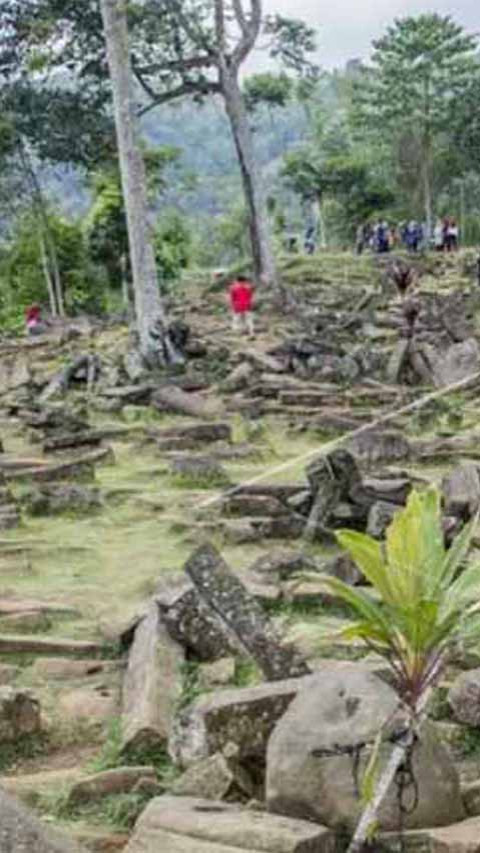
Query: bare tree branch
(208, 88)
(250, 34)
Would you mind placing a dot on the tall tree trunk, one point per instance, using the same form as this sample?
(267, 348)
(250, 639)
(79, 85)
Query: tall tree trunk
(262, 254)
(46, 274)
(48, 246)
(150, 315)
(321, 223)
(427, 189)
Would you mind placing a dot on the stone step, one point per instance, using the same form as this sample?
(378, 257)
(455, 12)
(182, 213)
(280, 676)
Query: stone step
(189, 825)
(48, 645)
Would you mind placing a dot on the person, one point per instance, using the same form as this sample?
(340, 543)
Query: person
(438, 236)
(412, 236)
(360, 239)
(33, 320)
(452, 236)
(309, 243)
(241, 304)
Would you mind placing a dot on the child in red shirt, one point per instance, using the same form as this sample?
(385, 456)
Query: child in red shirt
(241, 305)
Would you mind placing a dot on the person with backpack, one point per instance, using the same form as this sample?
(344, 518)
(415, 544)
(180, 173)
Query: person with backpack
(241, 305)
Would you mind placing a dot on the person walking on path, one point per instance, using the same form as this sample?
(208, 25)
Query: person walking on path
(241, 305)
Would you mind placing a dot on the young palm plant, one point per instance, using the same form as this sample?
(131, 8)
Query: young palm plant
(428, 603)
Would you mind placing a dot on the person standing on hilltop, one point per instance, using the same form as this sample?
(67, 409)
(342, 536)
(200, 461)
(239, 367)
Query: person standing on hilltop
(241, 305)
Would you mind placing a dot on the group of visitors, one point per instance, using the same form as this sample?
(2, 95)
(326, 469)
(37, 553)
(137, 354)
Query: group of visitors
(414, 236)
(446, 234)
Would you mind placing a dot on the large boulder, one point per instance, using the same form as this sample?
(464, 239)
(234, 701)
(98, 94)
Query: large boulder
(464, 698)
(22, 832)
(459, 362)
(319, 749)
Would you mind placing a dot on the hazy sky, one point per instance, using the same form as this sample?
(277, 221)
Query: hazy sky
(347, 27)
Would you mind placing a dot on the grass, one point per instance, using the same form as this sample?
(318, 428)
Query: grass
(111, 755)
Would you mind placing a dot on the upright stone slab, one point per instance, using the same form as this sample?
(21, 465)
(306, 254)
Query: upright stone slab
(191, 623)
(152, 684)
(228, 599)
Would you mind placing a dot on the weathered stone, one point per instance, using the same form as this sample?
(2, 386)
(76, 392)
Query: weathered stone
(378, 445)
(62, 497)
(252, 505)
(398, 361)
(215, 778)
(21, 831)
(459, 362)
(44, 645)
(26, 605)
(119, 780)
(152, 684)
(380, 516)
(471, 797)
(217, 674)
(216, 827)
(245, 717)
(173, 399)
(343, 568)
(224, 593)
(333, 722)
(239, 378)
(196, 433)
(192, 624)
(87, 703)
(61, 669)
(462, 837)
(461, 490)
(372, 489)
(8, 673)
(282, 564)
(464, 698)
(19, 714)
(205, 470)
(331, 479)
(27, 622)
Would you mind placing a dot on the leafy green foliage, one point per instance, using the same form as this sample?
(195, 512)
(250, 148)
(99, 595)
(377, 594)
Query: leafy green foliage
(274, 90)
(173, 242)
(425, 605)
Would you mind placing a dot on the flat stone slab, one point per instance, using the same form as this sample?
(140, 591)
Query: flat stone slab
(10, 606)
(206, 826)
(53, 645)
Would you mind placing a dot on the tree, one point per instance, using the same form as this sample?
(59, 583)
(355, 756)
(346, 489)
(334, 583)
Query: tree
(182, 48)
(149, 311)
(346, 178)
(427, 606)
(418, 73)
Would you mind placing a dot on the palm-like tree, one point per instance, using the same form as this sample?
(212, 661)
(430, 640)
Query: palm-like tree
(426, 607)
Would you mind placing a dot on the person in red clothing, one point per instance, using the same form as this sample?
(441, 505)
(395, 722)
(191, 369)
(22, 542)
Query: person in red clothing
(241, 304)
(33, 320)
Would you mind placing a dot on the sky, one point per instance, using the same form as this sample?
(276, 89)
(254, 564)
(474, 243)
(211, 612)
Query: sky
(346, 27)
